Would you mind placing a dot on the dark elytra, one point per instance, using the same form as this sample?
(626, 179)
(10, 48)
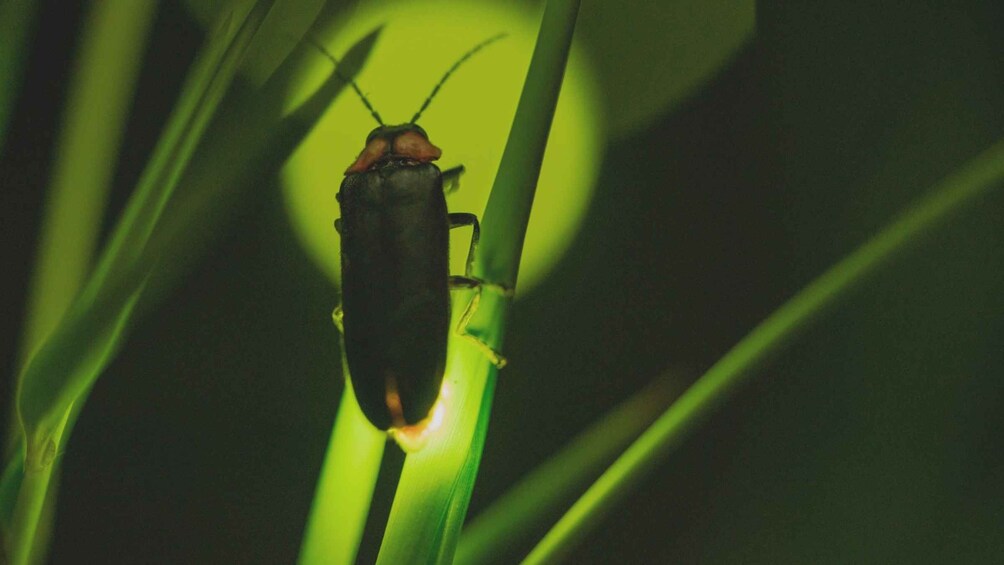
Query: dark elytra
(396, 298)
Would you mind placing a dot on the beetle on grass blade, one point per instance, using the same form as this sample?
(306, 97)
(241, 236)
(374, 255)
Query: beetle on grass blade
(395, 311)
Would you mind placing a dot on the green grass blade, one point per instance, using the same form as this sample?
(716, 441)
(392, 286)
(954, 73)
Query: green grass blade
(352, 462)
(31, 497)
(436, 482)
(53, 379)
(86, 153)
(345, 488)
(508, 209)
(186, 127)
(541, 494)
(17, 21)
(457, 510)
(300, 120)
(254, 138)
(10, 483)
(73, 356)
(964, 187)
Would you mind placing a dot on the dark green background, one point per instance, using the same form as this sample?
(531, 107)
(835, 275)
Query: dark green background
(876, 438)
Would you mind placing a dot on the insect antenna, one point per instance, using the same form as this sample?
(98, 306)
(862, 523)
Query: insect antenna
(355, 86)
(449, 72)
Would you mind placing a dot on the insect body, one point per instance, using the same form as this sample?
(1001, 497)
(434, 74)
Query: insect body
(395, 311)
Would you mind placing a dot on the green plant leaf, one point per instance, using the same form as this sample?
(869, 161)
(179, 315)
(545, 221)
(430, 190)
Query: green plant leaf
(975, 179)
(436, 482)
(86, 153)
(254, 138)
(102, 86)
(345, 488)
(249, 137)
(10, 483)
(73, 356)
(515, 515)
(54, 377)
(287, 22)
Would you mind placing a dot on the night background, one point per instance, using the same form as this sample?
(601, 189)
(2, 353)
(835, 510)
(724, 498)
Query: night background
(875, 438)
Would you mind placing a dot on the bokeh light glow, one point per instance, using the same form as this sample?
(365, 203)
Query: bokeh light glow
(469, 119)
(413, 438)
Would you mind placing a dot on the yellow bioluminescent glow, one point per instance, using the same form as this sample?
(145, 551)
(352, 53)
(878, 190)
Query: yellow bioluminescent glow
(413, 438)
(469, 119)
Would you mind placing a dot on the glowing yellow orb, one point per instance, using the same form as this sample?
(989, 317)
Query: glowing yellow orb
(469, 120)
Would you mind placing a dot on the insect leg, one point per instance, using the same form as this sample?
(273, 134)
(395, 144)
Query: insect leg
(457, 281)
(495, 357)
(451, 179)
(460, 219)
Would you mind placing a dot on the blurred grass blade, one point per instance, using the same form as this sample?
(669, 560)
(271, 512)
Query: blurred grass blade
(86, 154)
(17, 23)
(352, 461)
(976, 178)
(539, 496)
(10, 482)
(200, 98)
(251, 140)
(254, 138)
(73, 356)
(345, 488)
(53, 380)
(436, 482)
(302, 119)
